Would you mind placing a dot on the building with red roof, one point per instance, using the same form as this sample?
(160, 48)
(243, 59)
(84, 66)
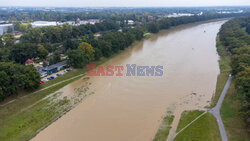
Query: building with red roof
(29, 62)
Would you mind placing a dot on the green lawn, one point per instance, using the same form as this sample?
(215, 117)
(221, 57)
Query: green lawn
(225, 69)
(164, 128)
(20, 120)
(235, 125)
(187, 117)
(203, 129)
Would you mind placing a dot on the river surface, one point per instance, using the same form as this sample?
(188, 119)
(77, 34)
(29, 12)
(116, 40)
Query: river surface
(131, 108)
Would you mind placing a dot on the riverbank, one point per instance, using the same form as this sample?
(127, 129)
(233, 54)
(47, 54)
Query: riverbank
(17, 126)
(235, 126)
(25, 115)
(204, 128)
(188, 116)
(225, 70)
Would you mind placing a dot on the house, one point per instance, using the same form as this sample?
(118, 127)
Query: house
(78, 20)
(150, 18)
(29, 62)
(131, 22)
(97, 35)
(55, 67)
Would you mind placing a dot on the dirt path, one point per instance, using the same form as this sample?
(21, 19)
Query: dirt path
(40, 90)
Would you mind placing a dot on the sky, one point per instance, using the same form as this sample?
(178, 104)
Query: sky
(123, 3)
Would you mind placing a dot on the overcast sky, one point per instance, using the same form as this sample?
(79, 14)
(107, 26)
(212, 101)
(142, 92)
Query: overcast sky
(123, 3)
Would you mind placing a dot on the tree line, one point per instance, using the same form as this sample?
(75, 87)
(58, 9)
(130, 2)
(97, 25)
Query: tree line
(235, 36)
(15, 76)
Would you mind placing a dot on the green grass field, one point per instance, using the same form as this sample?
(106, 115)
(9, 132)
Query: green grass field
(225, 69)
(187, 117)
(164, 128)
(203, 129)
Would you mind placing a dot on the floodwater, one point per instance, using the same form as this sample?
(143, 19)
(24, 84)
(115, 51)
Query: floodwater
(131, 108)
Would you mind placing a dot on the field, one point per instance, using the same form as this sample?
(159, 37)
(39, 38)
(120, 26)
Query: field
(203, 129)
(225, 69)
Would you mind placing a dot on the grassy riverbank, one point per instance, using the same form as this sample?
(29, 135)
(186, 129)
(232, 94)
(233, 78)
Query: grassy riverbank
(187, 117)
(203, 129)
(225, 69)
(164, 128)
(230, 110)
(30, 113)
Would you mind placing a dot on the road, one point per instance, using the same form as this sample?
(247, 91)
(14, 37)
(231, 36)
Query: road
(41, 90)
(216, 110)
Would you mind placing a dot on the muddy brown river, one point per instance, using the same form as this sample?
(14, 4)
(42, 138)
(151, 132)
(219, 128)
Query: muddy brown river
(126, 108)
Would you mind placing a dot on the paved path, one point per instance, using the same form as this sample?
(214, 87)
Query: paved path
(41, 90)
(216, 110)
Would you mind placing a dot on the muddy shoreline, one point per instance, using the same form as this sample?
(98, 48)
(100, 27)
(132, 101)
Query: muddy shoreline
(131, 108)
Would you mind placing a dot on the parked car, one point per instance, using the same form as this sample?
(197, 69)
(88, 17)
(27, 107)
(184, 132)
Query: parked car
(52, 77)
(48, 78)
(41, 82)
(58, 74)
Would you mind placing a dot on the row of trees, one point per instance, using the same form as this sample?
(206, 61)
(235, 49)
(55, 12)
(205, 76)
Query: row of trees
(166, 23)
(234, 37)
(93, 49)
(58, 34)
(16, 76)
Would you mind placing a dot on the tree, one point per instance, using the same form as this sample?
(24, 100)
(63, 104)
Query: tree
(70, 44)
(9, 30)
(4, 83)
(32, 78)
(153, 27)
(41, 51)
(15, 76)
(66, 31)
(8, 40)
(33, 35)
(98, 53)
(16, 25)
(23, 27)
(56, 57)
(138, 32)
(87, 50)
(105, 47)
(248, 28)
(1, 42)
(243, 80)
(129, 38)
(110, 38)
(240, 62)
(23, 51)
(76, 58)
(164, 24)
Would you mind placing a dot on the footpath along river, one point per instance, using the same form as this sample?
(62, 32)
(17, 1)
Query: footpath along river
(131, 108)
